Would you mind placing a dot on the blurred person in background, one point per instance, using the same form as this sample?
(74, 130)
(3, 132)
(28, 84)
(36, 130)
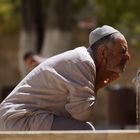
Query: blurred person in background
(60, 93)
(32, 60)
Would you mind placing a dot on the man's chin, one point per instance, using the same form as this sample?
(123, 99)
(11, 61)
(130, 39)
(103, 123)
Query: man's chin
(113, 77)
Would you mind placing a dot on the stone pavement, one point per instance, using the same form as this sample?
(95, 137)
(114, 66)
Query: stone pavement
(72, 135)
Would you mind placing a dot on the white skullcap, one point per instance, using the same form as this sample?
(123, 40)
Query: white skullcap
(101, 32)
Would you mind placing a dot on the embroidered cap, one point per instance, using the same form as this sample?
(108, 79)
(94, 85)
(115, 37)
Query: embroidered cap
(101, 32)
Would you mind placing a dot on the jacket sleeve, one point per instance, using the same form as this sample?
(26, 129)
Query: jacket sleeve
(81, 103)
(81, 98)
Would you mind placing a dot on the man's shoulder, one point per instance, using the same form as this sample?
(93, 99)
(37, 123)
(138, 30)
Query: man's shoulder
(81, 48)
(84, 54)
(80, 54)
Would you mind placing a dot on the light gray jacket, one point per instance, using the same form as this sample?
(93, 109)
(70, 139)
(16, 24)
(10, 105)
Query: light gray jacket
(62, 85)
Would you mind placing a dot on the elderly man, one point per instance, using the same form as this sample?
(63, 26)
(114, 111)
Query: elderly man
(60, 93)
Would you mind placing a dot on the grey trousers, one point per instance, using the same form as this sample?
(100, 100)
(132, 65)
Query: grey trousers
(63, 123)
(40, 122)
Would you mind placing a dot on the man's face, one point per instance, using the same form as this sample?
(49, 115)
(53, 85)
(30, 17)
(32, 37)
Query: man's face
(111, 61)
(117, 55)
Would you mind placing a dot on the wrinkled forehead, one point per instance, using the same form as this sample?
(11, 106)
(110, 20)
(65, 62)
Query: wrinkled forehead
(120, 40)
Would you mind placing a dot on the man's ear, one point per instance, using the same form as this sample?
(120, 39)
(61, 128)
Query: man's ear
(103, 51)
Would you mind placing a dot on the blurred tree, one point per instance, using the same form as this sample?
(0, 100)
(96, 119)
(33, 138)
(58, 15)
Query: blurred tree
(46, 27)
(31, 35)
(58, 27)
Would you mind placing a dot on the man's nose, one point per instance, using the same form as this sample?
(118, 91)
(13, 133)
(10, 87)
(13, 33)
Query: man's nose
(127, 56)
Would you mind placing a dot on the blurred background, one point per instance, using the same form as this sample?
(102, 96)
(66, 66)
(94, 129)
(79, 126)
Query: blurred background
(49, 27)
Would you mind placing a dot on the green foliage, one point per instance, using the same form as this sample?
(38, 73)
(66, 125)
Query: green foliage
(79, 4)
(123, 14)
(109, 11)
(9, 16)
